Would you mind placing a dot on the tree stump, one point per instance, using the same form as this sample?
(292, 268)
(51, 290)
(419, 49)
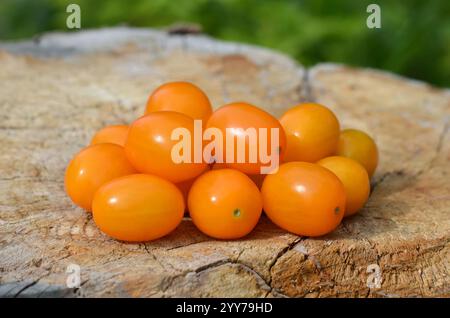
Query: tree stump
(57, 90)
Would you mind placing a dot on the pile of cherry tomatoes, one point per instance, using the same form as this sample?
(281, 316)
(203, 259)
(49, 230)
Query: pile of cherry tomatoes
(128, 179)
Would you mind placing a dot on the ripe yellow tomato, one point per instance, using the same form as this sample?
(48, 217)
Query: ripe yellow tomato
(182, 97)
(359, 146)
(149, 146)
(138, 208)
(304, 198)
(312, 132)
(238, 117)
(93, 167)
(116, 134)
(355, 179)
(225, 204)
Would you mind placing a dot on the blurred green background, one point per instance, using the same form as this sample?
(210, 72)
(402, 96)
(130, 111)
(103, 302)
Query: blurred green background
(414, 39)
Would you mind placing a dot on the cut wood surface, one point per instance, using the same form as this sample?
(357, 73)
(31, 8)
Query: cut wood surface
(58, 89)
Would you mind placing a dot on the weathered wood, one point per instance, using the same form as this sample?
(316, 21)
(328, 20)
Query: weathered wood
(56, 91)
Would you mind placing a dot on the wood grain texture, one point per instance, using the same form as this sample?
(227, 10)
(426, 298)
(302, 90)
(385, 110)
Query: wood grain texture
(57, 90)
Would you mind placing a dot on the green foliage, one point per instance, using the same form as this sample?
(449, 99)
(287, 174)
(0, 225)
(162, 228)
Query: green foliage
(414, 39)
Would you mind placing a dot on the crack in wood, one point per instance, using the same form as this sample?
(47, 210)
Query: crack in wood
(169, 283)
(289, 247)
(272, 78)
(306, 91)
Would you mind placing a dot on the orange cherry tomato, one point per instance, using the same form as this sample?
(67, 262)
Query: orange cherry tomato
(91, 168)
(355, 179)
(180, 97)
(236, 118)
(359, 146)
(116, 134)
(225, 204)
(304, 198)
(138, 208)
(149, 146)
(312, 132)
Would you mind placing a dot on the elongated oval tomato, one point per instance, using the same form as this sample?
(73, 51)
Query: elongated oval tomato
(248, 133)
(138, 208)
(312, 132)
(354, 178)
(359, 146)
(304, 198)
(182, 97)
(116, 134)
(225, 204)
(91, 168)
(150, 148)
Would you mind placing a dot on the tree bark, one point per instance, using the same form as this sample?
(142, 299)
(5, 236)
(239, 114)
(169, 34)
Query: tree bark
(57, 90)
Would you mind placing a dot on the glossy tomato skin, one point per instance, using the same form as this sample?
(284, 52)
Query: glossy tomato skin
(304, 198)
(91, 168)
(359, 146)
(116, 134)
(149, 146)
(138, 208)
(243, 116)
(182, 97)
(355, 179)
(225, 204)
(312, 132)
